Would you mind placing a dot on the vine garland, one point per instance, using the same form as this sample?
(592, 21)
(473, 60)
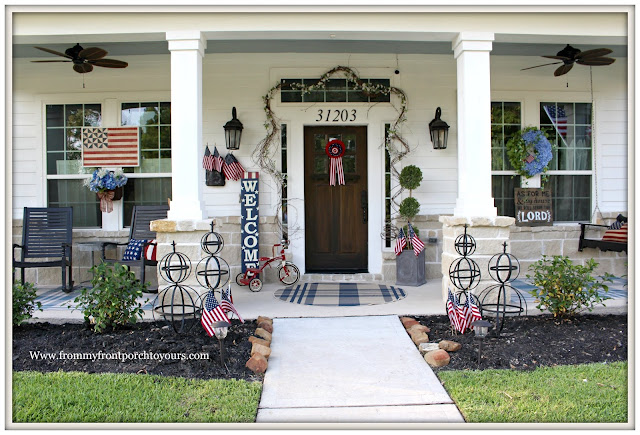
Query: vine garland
(394, 143)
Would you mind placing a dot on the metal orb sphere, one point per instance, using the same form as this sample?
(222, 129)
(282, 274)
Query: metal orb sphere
(493, 302)
(464, 273)
(504, 267)
(175, 267)
(212, 272)
(465, 244)
(212, 242)
(179, 306)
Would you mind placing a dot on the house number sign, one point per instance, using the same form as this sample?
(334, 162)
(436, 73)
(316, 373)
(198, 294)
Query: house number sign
(250, 218)
(337, 115)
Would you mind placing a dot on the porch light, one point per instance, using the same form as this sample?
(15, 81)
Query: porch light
(233, 132)
(220, 329)
(439, 131)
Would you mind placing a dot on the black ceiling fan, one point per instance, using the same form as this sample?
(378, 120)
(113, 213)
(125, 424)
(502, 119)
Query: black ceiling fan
(84, 59)
(569, 55)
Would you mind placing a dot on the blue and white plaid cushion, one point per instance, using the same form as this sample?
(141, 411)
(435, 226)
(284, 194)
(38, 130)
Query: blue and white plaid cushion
(134, 250)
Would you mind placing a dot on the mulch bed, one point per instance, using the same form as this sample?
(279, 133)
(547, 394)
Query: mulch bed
(528, 342)
(524, 344)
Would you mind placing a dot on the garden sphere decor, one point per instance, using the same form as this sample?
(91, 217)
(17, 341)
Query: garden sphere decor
(107, 185)
(529, 152)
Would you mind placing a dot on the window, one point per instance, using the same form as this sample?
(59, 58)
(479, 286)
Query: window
(570, 170)
(506, 120)
(150, 183)
(387, 190)
(336, 91)
(63, 137)
(283, 167)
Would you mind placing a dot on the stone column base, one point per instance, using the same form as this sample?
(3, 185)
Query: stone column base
(489, 234)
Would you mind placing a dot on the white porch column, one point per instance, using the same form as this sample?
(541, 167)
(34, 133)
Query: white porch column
(187, 50)
(471, 51)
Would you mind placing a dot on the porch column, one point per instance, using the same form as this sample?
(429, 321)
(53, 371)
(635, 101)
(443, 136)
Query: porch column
(187, 50)
(471, 51)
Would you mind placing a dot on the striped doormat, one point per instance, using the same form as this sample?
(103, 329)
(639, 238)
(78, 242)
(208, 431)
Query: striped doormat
(340, 294)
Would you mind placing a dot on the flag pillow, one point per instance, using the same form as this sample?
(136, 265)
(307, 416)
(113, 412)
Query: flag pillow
(616, 235)
(134, 250)
(150, 251)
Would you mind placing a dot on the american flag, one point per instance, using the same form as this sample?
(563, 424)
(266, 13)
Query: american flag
(217, 160)
(401, 242)
(558, 118)
(232, 168)
(207, 160)
(212, 313)
(417, 244)
(227, 303)
(452, 310)
(115, 146)
(467, 313)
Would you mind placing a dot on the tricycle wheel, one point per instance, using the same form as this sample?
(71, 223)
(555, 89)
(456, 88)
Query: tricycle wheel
(255, 285)
(289, 274)
(238, 278)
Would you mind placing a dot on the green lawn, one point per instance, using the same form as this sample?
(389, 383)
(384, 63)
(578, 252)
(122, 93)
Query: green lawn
(82, 397)
(565, 394)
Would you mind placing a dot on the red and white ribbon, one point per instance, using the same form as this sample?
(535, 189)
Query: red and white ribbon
(335, 150)
(106, 200)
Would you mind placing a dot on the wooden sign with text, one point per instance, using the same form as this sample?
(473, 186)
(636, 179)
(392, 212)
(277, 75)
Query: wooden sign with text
(533, 207)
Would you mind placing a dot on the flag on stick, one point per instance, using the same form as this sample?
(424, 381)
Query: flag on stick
(417, 244)
(401, 242)
(212, 313)
(207, 160)
(217, 160)
(227, 303)
(452, 311)
(232, 168)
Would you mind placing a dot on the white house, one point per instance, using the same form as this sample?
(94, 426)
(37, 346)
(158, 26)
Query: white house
(189, 66)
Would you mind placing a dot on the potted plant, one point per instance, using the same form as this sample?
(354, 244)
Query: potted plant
(107, 185)
(410, 258)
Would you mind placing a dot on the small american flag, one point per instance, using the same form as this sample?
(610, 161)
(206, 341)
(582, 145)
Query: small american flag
(115, 146)
(417, 244)
(452, 310)
(212, 313)
(232, 169)
(558, 118)
(208, 160)
(401, 242)
(227, 303)
(467, 313)
(217, 160)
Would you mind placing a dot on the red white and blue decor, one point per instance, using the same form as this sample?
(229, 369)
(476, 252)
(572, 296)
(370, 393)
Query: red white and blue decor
(335, 150)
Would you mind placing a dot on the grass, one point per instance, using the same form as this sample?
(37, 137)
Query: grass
(590, 393)
(81, 397)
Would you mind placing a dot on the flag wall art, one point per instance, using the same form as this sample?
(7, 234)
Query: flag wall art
(110, 146)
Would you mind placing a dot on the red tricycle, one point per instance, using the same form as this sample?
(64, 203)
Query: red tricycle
(288, 273)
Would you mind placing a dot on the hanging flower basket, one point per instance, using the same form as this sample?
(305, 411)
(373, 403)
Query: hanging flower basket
(108, 187)
(529, 152)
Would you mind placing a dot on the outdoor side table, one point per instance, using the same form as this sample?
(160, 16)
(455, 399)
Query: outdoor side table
(92, 247)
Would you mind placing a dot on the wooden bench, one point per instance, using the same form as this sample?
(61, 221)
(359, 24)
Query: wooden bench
(46, 236)
(603, 245)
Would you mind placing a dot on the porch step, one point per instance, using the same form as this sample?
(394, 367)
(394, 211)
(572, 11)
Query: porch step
(341, 277)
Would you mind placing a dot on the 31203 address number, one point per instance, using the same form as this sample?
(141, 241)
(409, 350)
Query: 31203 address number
(336, 115)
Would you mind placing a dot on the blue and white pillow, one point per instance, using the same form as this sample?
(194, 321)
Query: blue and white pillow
(134, 250)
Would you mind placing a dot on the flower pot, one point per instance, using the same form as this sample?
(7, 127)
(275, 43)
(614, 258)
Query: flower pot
(410, 269)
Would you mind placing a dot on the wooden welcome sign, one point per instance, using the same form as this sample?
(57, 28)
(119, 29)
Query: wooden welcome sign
(250, 220)
(533, 207)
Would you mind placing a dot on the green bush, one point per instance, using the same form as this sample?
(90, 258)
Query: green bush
(409, 207)
(565, 289)
(112, 302)
(24, 302)
(410, 177)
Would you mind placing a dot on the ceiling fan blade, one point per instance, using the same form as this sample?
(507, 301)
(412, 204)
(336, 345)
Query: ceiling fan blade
(92, 53)
(83, 68)
(597, 52)
(558, 57)
(48, 50)
(538, 66)
(109, 63)
(563, 70)
(43, 61)
(598, 61)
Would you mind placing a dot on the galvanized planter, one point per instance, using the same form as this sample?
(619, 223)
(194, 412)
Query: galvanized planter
(410, 270)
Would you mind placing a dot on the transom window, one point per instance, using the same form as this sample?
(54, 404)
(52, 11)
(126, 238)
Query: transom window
(336, 91)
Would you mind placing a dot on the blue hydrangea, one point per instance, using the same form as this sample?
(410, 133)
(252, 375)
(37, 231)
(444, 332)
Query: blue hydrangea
(102, 180)
(542, 152)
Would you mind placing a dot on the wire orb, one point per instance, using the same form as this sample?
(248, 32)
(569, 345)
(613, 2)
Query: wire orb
(175, 267)
(212, 242)
(464, 273)
(178, 306)
(212, 272)
(465, 244)
(503, 266)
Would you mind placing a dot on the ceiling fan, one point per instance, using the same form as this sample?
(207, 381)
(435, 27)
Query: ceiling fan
(569, 55)
(84, 59)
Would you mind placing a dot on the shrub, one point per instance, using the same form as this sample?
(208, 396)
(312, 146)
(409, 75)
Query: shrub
(565, 289)
(112, 302)
(24, 302)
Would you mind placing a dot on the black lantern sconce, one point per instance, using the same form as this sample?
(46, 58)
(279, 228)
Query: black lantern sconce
(439, 131)
(233, 132)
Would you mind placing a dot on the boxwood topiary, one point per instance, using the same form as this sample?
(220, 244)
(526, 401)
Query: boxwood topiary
(410, 177)
(409, 207)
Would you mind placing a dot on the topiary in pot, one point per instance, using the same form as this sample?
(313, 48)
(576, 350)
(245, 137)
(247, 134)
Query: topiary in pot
(410, 269)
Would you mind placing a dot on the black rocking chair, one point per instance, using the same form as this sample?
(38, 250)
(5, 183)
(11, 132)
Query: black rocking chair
(46, 236)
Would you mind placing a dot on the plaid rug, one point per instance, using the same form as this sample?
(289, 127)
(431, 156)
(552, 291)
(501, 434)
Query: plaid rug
(340, 294)
(56, 299)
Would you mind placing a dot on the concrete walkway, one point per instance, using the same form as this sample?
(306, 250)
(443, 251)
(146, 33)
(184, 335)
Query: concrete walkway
(350, 370)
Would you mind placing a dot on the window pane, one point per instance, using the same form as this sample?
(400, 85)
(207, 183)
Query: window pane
(71, 193)
(502, 188)
(151, 115)
(571, 197)
(55, 116)
(144, 191)
(55, 139)
(165, 113)
(74, 115)
(505, 122)
(496, 113)
(291, 97)
(130, 114)
(512, 113)
(380, 98)
(74, 139)
(149, 138)
(92, 115)
(583, 113)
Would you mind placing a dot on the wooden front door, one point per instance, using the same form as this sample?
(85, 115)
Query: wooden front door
(336, 216)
